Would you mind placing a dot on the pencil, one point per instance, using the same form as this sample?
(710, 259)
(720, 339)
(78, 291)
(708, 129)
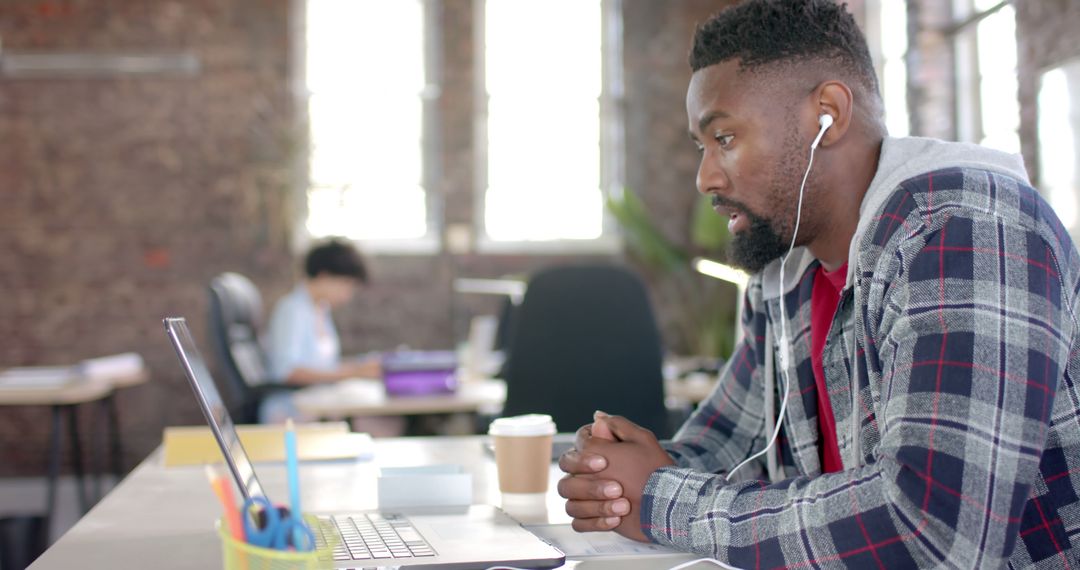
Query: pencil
(224, 493)
(292, 469)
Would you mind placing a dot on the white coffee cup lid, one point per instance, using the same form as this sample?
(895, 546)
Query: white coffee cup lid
(526, 425)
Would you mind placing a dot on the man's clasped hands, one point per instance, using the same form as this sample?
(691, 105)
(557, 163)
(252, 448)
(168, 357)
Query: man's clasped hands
(606, 473)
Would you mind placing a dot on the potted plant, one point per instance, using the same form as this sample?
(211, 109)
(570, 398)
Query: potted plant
(698, 309)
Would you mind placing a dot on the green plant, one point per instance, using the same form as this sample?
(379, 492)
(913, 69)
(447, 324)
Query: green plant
(701, 309)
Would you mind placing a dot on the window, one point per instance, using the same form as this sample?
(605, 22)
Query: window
(544, 80)
(366, 117)
(1059, 141)
(988, 110)
(892, 35)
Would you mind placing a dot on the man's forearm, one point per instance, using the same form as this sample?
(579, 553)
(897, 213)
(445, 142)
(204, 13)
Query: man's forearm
(856, 518)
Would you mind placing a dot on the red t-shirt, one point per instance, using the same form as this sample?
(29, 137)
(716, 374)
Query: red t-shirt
(823, 302)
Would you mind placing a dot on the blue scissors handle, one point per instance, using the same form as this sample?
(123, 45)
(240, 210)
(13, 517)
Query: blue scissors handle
(295, 532)
(268, 527)
(261, 521)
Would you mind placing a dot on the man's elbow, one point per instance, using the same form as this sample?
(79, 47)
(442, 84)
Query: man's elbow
(947, 524)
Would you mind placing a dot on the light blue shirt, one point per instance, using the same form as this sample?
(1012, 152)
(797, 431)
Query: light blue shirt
(301, 335)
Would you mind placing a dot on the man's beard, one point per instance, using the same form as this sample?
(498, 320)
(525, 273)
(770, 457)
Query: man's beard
(768, 239)
(757, 246)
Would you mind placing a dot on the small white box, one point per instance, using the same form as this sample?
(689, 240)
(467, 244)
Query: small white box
(424, 486)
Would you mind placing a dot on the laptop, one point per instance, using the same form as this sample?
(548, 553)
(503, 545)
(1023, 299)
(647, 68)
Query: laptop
(480, 537)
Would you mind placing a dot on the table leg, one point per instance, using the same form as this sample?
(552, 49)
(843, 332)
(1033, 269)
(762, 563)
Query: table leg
(54, 467)
(116, 449)
(76, 458)
(100, 446)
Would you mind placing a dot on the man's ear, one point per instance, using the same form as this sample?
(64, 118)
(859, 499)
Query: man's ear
(834, 98)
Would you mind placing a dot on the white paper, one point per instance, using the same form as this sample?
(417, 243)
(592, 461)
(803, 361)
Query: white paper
(31, 377)
(115, 365)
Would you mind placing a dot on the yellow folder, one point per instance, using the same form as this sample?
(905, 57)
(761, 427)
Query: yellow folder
(195, 445)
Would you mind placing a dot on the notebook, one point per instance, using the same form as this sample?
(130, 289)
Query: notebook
(324, 441)
(481, 537)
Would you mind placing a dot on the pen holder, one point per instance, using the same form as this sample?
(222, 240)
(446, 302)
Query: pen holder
(239, 555)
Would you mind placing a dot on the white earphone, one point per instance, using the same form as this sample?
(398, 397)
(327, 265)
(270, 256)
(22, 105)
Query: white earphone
(826, 121)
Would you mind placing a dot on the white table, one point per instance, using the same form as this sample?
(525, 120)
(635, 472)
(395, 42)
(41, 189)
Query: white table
(64, 399)
(164, 517)
(353, 398)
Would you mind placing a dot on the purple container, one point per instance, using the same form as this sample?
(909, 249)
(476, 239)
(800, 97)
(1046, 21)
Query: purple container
(419, 372)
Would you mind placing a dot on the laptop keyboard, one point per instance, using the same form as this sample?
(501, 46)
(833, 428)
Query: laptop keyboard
(373, 537)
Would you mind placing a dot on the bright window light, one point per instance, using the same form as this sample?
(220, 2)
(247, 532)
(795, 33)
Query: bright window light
(894, 46)
(1057, 144)
(544, 79)
(365, 76)
(996, 40)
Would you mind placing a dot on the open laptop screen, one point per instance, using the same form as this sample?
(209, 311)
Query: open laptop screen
(213, 407)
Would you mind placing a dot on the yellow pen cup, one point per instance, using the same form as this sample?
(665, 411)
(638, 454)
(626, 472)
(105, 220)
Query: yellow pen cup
(239, 555)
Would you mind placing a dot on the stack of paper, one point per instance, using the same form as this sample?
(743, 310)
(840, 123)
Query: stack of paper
(37, 377)
(124, 364)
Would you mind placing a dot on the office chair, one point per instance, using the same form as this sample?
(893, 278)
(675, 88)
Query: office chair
(235, 320)
(585, 339)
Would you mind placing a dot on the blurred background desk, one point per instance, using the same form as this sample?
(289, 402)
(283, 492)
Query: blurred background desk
(64, 395)
(353, 398)
(166, 515)
(64, 389)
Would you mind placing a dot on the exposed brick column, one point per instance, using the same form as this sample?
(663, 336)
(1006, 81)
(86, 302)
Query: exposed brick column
(1048, 35)
(931, 72)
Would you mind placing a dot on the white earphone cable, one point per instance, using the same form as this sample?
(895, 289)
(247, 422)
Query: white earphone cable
(785, 341)
(705, 560)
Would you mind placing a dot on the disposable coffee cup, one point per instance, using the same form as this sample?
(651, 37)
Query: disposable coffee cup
(523, 452)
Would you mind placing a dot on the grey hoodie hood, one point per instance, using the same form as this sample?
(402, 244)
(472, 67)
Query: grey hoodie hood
(900, 160)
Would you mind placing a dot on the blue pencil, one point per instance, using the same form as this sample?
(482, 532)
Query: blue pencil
(292, 470)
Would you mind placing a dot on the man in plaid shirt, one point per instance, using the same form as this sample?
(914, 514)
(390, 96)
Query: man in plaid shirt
(910, 332)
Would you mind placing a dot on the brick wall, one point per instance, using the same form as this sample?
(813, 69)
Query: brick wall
(1048, 35)
(931, 87)
(124, 195)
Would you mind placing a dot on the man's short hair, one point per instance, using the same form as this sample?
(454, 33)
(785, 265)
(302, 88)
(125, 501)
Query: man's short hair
(335, 257)
(759, 33)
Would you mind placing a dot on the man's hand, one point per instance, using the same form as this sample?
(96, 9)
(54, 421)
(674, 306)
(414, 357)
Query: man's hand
(584, 493)
(613, 455)
(632, 458)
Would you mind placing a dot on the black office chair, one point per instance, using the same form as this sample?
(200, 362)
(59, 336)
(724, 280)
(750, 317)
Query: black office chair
(23, 538)
(585, 339)
(235, 320)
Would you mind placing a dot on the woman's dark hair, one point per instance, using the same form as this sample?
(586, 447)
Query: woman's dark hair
(762, 32)
(335, 257)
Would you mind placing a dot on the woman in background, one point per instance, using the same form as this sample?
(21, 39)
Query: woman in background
(302, 343)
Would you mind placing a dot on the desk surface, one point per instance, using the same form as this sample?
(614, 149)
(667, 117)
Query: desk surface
(164, 516)
(78, 391)
(351, 398)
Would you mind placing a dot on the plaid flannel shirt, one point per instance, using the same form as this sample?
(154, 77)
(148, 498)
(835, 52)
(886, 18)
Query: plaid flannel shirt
(969, 411)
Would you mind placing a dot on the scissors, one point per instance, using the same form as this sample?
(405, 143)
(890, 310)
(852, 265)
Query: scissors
(275, 527)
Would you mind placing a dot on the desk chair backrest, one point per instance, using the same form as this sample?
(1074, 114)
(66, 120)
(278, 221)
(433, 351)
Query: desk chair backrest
(235, 320)
(584, 339)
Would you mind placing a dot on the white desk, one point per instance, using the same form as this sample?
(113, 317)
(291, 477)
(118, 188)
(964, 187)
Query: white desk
(64, 399)
(351, 398)
(163, 517)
